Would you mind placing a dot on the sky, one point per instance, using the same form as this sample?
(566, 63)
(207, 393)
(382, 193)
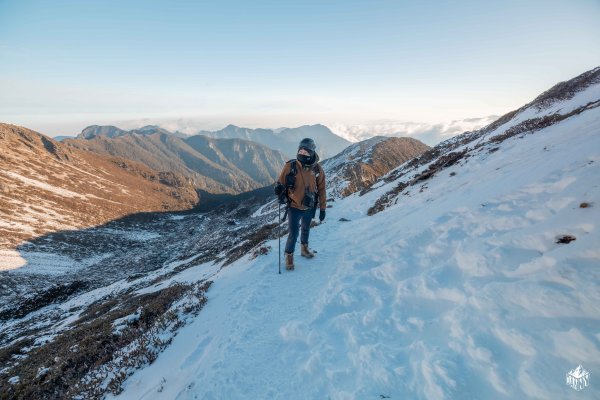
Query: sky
(68, 64)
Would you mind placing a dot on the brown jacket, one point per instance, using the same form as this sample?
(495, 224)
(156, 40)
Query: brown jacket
(305, 176)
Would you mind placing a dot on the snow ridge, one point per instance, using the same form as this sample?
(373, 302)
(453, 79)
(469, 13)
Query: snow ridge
(563, 101)
(460, 288)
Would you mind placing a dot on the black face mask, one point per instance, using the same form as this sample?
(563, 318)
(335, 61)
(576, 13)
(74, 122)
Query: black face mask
(306, 160)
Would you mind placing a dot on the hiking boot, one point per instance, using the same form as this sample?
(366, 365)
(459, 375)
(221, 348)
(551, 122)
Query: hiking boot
(305, 251)
(289, 261)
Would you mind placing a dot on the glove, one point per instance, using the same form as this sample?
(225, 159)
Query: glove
(321, 215)
(279, 188)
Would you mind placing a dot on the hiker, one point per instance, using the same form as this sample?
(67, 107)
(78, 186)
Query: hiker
(301, 185)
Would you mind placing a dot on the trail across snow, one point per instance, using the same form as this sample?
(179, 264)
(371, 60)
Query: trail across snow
(459, 291)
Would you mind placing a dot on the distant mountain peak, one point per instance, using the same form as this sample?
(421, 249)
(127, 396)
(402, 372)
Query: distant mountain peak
(232, 129)
(285, 139)
(320, 126)
(101, 130)
(313, 126)
(148, 128)
(111, 131)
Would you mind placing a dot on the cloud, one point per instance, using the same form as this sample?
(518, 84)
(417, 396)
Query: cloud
(430, 134)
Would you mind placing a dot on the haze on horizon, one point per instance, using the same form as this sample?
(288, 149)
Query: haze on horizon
(347, 64)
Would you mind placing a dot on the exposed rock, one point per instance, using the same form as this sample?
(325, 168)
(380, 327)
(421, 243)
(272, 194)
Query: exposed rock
(361, 164)
(565, 239)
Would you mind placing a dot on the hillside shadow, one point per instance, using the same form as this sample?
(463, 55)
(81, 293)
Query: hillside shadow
(56, 266)
(209, 201)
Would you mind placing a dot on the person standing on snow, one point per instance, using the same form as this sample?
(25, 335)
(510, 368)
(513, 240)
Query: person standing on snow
(302, 184)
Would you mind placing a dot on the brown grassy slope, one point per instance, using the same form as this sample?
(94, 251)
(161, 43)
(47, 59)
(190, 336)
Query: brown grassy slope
(46, 186)
(159, 152)
(367, 161)
(214, 165)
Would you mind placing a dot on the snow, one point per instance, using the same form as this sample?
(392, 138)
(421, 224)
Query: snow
(11, 259)
(36, 262)
(190, 275)
(42, 263)
(352, 152)
(120, 323)
(336, 168)
(42, 371)
(262, 210)
(139, 236)
(583, 97)
(458, 291)
(19, 227)
(42, 185)
(590, 94)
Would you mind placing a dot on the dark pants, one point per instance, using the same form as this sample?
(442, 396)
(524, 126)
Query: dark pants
(297, 218)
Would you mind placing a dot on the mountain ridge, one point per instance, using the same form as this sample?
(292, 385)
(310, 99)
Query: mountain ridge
(46, 185)
(551, 107)
(210, 163)
(286, 139)
(359, 165)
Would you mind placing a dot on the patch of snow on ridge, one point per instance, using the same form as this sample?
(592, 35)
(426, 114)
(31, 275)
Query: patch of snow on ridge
(17, 225)
(586, 96)
(42, 185)
(352, 152)
(19, 261)
(140, 235)
(11, 259)
(37, 262)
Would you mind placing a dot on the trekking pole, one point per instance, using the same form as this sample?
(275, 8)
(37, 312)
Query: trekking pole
(279, 237)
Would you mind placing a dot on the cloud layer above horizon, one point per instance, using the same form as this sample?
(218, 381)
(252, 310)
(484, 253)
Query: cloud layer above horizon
(68, 64)
(430, 134)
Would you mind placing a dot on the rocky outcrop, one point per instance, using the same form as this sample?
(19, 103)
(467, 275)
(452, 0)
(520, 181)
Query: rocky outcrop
(361, 164)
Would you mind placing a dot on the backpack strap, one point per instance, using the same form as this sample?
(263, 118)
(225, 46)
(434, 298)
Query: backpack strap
(290, 178)
(290, 183)
(293, 167)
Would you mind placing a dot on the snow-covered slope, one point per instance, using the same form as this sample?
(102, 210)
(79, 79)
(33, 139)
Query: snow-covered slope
(456, 286)
(564, 100)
